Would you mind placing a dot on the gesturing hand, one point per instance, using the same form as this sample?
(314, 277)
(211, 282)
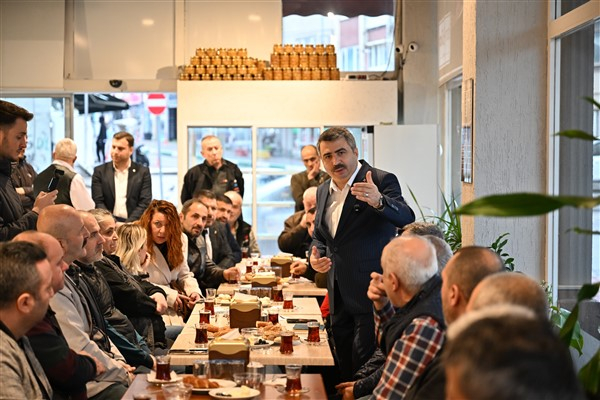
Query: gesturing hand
(318, 263)
(366, 191)
(376, 291)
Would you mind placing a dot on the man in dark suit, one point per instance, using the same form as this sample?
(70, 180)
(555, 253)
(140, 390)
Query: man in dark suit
(358, 211)
(122, 186)
(221, 245)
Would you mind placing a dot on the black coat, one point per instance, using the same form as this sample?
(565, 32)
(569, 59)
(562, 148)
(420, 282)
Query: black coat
(139, 189)
(13, 218)
(132, 297)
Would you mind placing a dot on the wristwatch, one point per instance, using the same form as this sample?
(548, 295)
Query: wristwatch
(381, 204)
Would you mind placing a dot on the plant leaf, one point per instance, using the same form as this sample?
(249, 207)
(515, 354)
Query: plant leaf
(568, 328)
(589, 375)
(591, 100)
(523, 204)
(588, 291)
(583, 231)
(576, 134)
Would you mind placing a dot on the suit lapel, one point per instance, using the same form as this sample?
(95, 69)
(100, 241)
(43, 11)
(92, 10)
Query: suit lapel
(132, 172)
(110, 179)
(351, 204)
(322, 198)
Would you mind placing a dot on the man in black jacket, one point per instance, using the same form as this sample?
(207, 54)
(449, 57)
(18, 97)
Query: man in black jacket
(141, 301)
(215, 173)
(120, 330)
(13, 141)
(209, 275)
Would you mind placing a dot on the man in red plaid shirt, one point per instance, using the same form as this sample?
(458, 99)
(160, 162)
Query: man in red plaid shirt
(408, 313)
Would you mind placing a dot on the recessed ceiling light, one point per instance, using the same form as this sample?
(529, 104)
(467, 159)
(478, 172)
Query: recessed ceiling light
(147, 22)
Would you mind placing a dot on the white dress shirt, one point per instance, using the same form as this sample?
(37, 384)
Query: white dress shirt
(79, 193)
(207, 242)
(335, 202)
(120, 209)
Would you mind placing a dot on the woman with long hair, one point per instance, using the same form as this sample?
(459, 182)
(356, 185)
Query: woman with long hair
(167, 267)
(132, 248)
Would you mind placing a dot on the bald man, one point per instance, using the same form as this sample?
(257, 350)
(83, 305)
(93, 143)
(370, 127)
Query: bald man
(465, 269)
(67, 370)
(408, 319)
(73, 310)
(510, 288)
(294, 238)
(463, 272)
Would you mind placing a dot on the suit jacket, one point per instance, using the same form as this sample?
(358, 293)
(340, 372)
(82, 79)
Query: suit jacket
(139, 189)
(362, 233)
(222, 240)
(300, 182)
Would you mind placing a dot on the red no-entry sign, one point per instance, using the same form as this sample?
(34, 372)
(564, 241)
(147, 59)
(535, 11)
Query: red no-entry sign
(157, 103)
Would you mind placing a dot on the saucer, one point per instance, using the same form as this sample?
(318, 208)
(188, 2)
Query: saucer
(281, 389)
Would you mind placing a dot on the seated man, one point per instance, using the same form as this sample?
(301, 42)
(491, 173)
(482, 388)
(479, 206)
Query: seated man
(118, 327)
(241, 230)
(221, 246)
(193, 220)
(415, 331)
(25, 290)
(294, 238)
(505, 352)
(510, 288)
(67, 370)
(73, 311)
(464, 271)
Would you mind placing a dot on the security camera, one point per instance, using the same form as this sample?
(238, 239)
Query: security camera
(116, 83)
(413, 46)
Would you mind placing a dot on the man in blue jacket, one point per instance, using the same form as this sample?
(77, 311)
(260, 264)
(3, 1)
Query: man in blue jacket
(358, 212)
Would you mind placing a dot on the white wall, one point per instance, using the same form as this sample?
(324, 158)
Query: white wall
(420, 71)
(32, 45)
(507, 63)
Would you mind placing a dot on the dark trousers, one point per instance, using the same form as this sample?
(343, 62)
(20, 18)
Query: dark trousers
(353, 336)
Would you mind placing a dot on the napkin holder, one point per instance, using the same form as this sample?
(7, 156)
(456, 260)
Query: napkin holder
(244, 314)
(264, 281)
(229, 349)
(284, 263)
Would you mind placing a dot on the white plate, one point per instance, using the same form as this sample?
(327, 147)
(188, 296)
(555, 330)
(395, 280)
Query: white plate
(233, 393)
(152, 378)
(223, 383)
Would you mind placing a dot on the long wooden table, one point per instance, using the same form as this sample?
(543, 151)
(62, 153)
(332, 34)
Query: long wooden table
(298, 289)
(314, 382)
(184, 351)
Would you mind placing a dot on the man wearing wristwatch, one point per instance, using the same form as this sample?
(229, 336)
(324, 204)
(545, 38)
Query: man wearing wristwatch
(358, 212)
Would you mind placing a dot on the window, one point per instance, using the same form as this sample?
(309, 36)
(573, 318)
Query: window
(578, 171)
(46, 128)
(362, 43)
